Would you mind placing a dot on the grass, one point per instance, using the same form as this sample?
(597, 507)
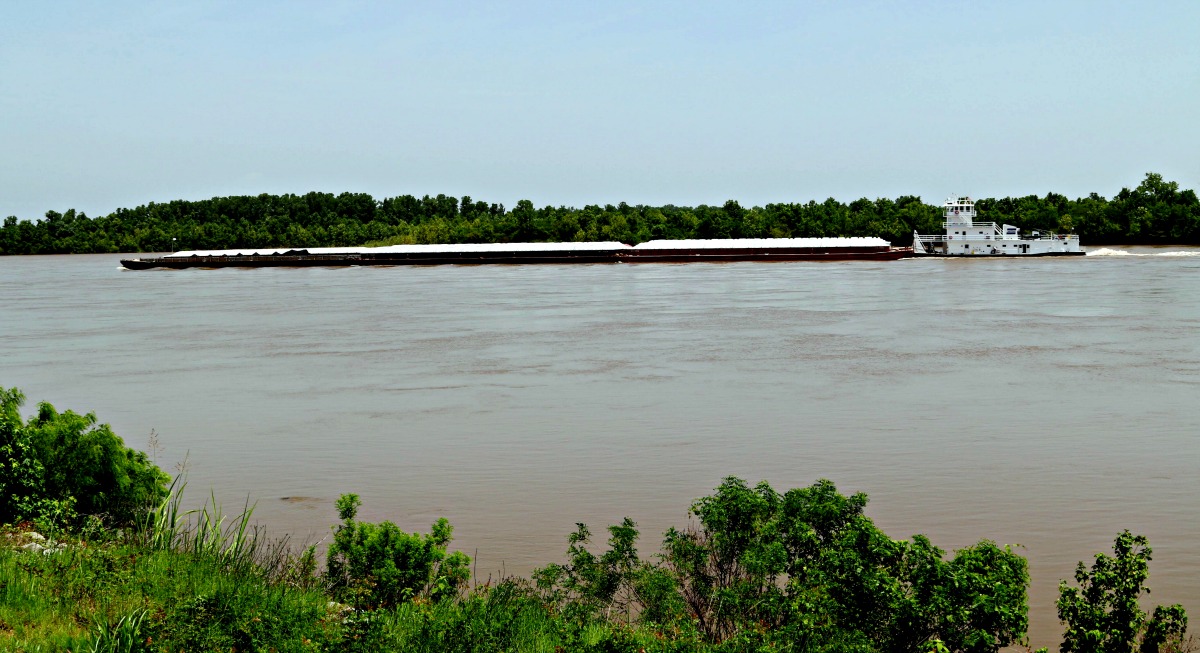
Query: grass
(130, 596)
(506, 617)
(191, 580)
(71, 599)
(126, 598)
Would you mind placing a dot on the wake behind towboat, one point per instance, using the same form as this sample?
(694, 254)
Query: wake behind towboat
(655, 251)
(965, 237)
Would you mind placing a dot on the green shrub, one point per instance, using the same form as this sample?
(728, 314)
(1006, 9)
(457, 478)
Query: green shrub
(1103, 615)
(980, 602)
(62, 465)
(801, 571)
(22, 476)
(365, 631)
(589, 585)
(379, 565)
(807, 570)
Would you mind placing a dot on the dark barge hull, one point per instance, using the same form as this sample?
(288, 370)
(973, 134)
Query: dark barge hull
(517, 258)
(658, 251)
(763, 254)
(344, 260)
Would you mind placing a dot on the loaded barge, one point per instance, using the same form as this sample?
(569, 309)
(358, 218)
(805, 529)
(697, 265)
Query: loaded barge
(392, 255)
(763, 249)
(654, 251)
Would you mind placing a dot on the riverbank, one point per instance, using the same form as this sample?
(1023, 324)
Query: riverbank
(96, 551)
(166, 589)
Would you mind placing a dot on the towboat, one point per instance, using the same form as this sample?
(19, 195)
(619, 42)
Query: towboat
(966, 237)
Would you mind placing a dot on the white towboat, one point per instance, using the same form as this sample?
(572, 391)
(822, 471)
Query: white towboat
(965, 237)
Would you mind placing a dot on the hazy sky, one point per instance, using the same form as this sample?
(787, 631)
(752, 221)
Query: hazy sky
(110, 104)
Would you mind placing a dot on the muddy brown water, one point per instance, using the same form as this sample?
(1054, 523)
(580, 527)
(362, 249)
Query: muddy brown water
(1043, 402)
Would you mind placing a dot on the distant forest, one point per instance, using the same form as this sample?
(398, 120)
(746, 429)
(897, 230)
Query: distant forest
(1156, 212)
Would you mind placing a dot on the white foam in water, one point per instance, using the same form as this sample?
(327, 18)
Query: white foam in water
(1105, 251)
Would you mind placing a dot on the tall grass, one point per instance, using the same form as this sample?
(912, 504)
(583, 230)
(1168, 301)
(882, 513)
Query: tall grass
(233, 542)
(110, 596)
(163, 525)
(198, 579)
(122, 636)
(168, 527)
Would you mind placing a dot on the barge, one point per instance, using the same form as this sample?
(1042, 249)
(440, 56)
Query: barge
(654, 251)
(965, 237)
(763, 249)
(465, 254)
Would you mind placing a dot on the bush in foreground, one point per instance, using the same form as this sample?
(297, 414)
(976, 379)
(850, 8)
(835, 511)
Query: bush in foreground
(379, 565)
(805, 570)
(64, 466)
(1103, 614)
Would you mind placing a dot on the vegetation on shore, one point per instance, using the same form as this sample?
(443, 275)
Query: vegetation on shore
(1155, 212)
(756, 570)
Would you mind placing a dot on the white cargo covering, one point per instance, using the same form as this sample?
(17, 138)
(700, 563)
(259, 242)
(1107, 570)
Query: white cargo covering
(416, 249)
(763, 243)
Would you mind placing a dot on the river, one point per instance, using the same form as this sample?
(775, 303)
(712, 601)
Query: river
(1048, 403)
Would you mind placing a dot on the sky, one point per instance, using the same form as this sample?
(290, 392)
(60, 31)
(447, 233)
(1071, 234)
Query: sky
(116, 104)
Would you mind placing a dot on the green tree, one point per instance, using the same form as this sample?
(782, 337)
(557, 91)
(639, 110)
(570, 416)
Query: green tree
(57, 460)
(22, 476)
(1103, 614)
(588, 585)
(86, 461)
(523, 214)
(808, 567)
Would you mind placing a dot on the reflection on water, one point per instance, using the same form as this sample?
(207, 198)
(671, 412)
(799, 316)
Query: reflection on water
(1048, 403)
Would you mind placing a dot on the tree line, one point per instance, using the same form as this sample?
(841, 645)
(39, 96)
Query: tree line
(1155, 212)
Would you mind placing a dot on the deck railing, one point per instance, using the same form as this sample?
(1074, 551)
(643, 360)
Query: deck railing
(972, 225)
